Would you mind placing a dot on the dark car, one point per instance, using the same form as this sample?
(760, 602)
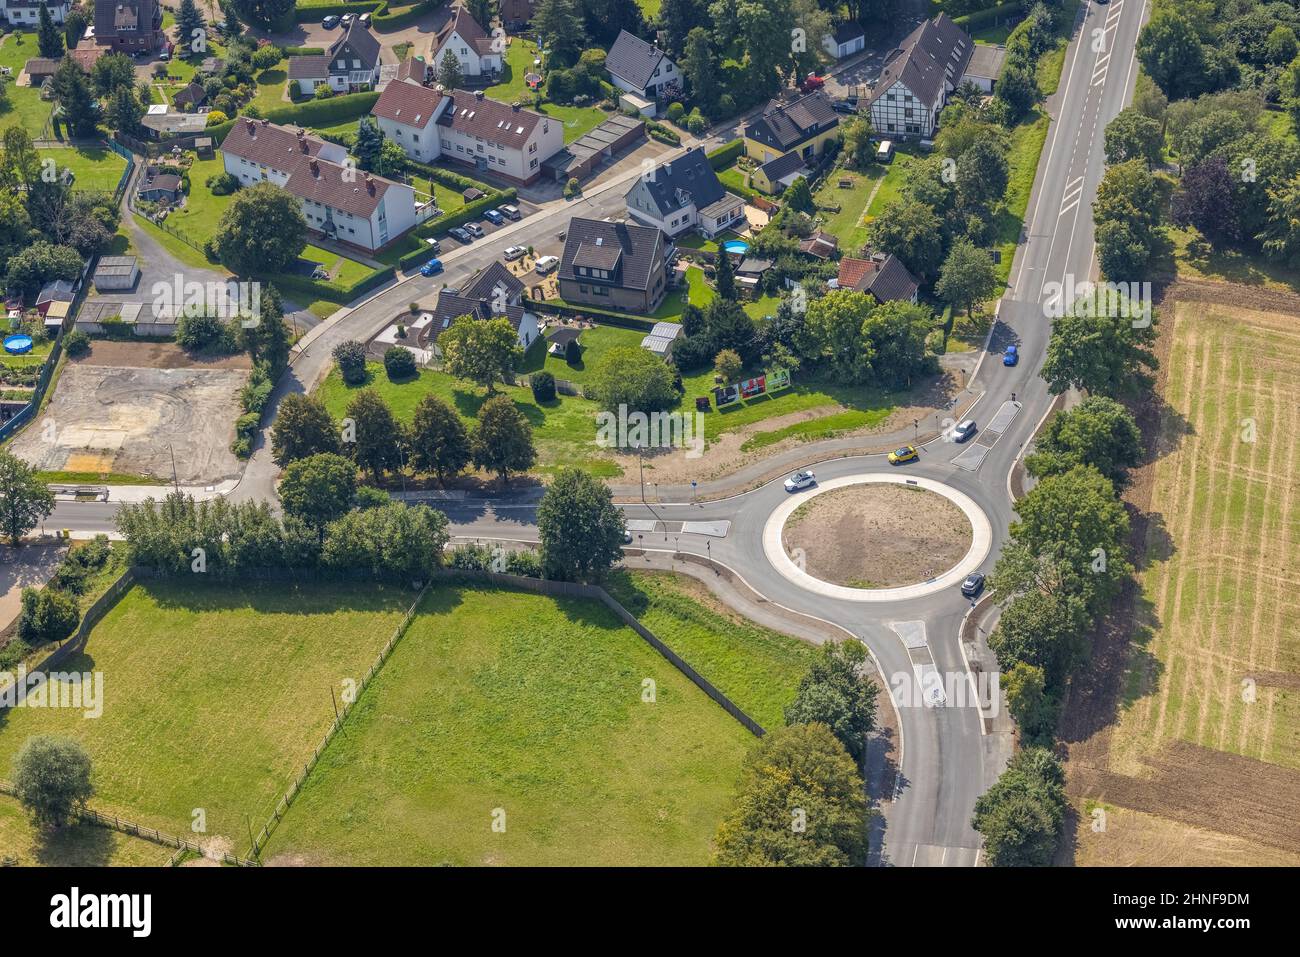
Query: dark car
(330, 22)
(460, 235)
(844, 106)
(973, 585)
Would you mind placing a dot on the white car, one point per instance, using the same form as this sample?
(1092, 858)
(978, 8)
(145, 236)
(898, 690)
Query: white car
(515, 252)
(963, 430)
(546, 264)
(474, 229)
(800, 480)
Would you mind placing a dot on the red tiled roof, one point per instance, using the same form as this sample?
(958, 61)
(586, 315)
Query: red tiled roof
(486, 118)
(407, 103)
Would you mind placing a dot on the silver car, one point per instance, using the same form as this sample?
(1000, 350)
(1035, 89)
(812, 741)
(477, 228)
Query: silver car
(800, 480)
(963, 430)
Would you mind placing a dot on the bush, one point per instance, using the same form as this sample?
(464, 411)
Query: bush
(323, 92)
(222, 184)
(76, 343)
(205, 333)
(351, 357)
(47, 615)
(543, 385)
(474, 558)
(267, 56)
(726, 154)
(399, 363)
(527, 563)
(216, 118)
(675, 111)
(696, 121)
(572, 188)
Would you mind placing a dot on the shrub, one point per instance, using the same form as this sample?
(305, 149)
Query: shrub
(572, 188)
(351, 357)
(476, 558)
(76, 343)
(216, 118)
(675, 111)
(47, 615)
(696, 121)
(323, 92)
(200, 333)
(399, 363)
(267, 56)
(543, 385)
(526, 562)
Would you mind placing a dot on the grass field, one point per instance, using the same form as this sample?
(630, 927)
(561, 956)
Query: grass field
(91, 168)
(24, 106)
(849, 225)
(519, 58)
(76, 845)
(214, 696)
(507, 703)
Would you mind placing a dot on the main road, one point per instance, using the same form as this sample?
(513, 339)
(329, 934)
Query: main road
(946, 759)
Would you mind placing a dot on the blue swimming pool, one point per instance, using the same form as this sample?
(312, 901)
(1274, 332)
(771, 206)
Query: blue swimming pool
(17, 344)
(737, 246)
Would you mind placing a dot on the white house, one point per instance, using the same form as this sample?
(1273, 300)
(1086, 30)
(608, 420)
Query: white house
(845, 40)
(640, 68)
(685, 194)
(350, 64)
(917, 78)
(469, 128)
(28, 12)
(475, 51)
(494, 293)
(338, 200)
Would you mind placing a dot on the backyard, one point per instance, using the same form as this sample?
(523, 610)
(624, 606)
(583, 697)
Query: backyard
(92, 167)
(23, 104)
(519, 57)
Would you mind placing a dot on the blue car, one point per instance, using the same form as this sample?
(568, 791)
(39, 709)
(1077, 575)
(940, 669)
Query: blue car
(431, 268)
(494, 217)
(1011, 356)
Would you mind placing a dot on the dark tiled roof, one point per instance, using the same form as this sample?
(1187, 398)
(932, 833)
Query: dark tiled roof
(633, 60)
(359, 41)
(934, 53)
(487, 281)
(329, 184)
(820, 244)
(886, 279)
(41, 66)
(786, 126)
(464, 24)
(477, 115)
(113, 17)
(782, 166)
(191, 94)
(269, 145)
(413, 69)
(683, 181)
(849, 30)
(315, 67)
(452, 306)
(407, 103)
(635, 249)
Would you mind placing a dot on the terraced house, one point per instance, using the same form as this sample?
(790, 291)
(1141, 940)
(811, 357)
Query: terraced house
(787, 138)
(339, 201)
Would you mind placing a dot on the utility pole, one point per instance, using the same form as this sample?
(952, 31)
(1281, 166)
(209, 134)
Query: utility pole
(175, 481)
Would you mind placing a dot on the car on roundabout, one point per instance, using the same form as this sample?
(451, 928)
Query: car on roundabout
(972, 585)
(800, 480)
(907, 453)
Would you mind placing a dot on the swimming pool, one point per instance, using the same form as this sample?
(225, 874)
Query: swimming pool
(737, 246)
(18, 344)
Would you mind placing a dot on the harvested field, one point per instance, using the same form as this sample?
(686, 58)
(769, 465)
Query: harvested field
(877, 535)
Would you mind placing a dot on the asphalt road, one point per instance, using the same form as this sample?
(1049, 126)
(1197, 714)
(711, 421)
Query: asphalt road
(946, 761)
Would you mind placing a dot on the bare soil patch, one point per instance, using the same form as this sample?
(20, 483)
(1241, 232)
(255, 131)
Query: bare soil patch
(156, 355)
(877, 535)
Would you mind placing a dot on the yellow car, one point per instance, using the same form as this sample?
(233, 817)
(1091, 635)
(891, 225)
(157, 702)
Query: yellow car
(906, 454)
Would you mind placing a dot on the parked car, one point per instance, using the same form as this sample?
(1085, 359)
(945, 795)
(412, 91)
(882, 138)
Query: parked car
(1011, 356)
(972, 585)
(812, 82)
(460, 235)
(347, 19)
(844, 106)
(494, 217)
(510, 212)
(515, 252)
(799, 480)
(906, 454)
(475, 230)
(330, 22)
(435, 246)
(963, 430)
(546, 264)
(431, 268)
(364, 19)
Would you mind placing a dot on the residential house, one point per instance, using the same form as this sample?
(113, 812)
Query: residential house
(845, 40)
(917, 78)
(477, 53)
(192, 96)
(684, 194)
(613, 265)
(469, 128)
(801, 129)
(517, 14)
(350, 64)
(28, 12)
(338, 201)
(883, 276)
(157, 187)
(493, 293)
(640, 68)
(129, 26)
(776, 176)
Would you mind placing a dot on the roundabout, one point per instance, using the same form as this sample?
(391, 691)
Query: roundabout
(981, 539)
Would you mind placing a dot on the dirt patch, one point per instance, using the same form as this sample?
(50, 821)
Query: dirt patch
(155, 355)
(1120, 837)
(877, 535)
(29, 566)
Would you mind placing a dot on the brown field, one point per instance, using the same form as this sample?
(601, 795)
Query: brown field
(1196, 748)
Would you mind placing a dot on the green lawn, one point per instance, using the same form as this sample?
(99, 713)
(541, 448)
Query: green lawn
(497, 703)
(214, 696)
(23, 105)
(891, 184)
(849, 224)
(92, 168)
(757, 668)
(1022, 160)
(519, 58)
(76, 845)
(595, 343)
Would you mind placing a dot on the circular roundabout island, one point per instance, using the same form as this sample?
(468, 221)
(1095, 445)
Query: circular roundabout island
(877, 537)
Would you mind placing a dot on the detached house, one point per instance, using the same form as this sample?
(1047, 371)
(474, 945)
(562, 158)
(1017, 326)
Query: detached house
(640, 68)
(338, 201)
(129, 26)
(350, 64)
(685, 194)
(494, 293)
(917, 78)
(787, 138)
(475, 51)
(883, 276)
(617, 266)
(28, 12)
(468, 128)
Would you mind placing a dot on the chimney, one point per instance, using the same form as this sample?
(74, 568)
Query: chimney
(370, 185)
(266, 122)
(514, 107)
(315, 168)
(252, 128)
(302, 141)
(478, 94)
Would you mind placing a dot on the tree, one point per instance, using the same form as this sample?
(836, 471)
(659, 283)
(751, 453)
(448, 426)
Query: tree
(48, 38)
(1132, 136)
(1100, 347)
(1018, 89)
(700, 67)
(189, 18)
(728, 365)
(22, 164)
(483, 351)
(677, 20)
(1171, 54)
(392, 539)
(41, 262)
(633, 379)
(831, 335)
(449, 71)
(543, 383)
(125, 111)
(800, 803)
(48, 614)
(376, 439)
(261, 231)
(370, 141)
(1022, 814)
(798, 196)
(111, 72)
(894, 336)
(503, 441)
(856, 143)
(483, 11)
(74, 27)
(724, 277)
(319, 488)
(351, 358)
(399, 363)
(303, 427)
(911, 231)
(268, 339)
(439, 442)
(52, 777)
(1099, 432)
(1281, 45)
(72, 90)
(982, 174)
(1122, 253)
(1030, 705)
(580, 529)
(968, 276)
(1206, 199)
(836, 693)
(24, 500)
(558, 25)
(263, 13)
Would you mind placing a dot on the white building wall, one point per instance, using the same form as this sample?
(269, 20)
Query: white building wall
(419, 143)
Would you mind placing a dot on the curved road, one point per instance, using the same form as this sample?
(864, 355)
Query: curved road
(945, 762)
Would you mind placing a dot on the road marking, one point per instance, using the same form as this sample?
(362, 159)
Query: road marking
(973, 455)
(928, 680)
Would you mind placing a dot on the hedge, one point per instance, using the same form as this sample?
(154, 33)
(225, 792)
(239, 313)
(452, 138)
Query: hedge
(993, 15)
(304, 51)
(447, 177)
(323, 290)
(469, 211)
(327, 112)
(726, 154)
